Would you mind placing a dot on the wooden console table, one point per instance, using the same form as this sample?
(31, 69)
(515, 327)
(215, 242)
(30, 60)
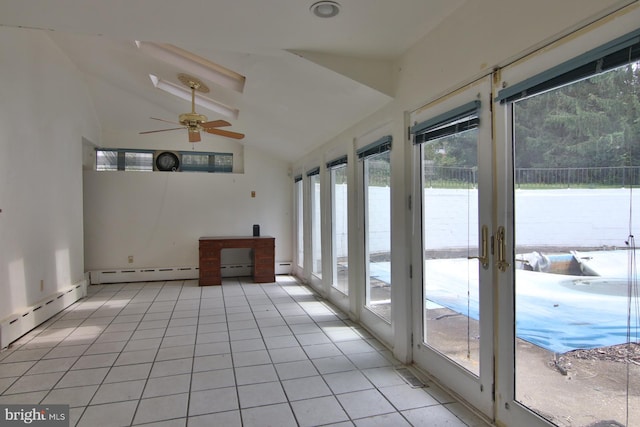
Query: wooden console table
(263, 257)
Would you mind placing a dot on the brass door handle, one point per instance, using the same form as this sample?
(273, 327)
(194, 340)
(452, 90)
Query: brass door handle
(502, 263)
(484, 248)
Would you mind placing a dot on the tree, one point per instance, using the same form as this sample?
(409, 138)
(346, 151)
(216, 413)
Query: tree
(590, 123)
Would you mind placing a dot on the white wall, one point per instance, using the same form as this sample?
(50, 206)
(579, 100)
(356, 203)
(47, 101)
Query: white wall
(45, 111)
(158, 216)
(552, 218)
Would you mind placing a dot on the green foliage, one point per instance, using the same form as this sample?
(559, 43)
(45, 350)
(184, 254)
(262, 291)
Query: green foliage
(585, 134)
(460, 149)
(591, 123)
(379, 170)
(339, 175)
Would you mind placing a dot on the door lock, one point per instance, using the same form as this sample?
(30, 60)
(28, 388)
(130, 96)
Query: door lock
(502, 263)
(484, 248)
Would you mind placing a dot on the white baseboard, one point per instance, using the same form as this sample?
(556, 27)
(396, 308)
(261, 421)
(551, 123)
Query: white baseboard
(143, 274)
(22, 321)
(123, 275)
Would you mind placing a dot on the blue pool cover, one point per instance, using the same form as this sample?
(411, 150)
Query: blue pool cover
(554, 311)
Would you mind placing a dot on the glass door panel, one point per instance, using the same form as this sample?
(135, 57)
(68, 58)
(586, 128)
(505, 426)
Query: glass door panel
(299, 223)
(576, 163)
(453, 280)
(450, 225)
(339, 229)
(377, 180)
(316, 228)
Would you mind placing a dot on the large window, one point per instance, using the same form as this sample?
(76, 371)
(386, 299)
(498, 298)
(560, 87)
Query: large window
(114, 160)
(207, 162)
(376, 160)
(174, 161)
(339, 225)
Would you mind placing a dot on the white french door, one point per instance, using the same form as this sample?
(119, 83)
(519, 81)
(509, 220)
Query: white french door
(526, 207)
(453, 269)
(567, 162)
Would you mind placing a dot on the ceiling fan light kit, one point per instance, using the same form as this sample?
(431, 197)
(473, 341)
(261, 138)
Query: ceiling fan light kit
(194, 134)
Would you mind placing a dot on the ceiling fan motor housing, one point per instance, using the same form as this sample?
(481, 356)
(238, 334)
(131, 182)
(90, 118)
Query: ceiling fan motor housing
(192, 119)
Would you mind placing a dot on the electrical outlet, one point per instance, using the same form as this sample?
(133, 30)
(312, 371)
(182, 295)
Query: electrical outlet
(41, 285)
(130, 259)
(253, 194)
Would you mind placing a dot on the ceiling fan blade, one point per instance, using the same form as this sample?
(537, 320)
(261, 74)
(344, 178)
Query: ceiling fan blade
(161, 130)
(215, 124)
(194, 136)
(166, 121)
(226, 133)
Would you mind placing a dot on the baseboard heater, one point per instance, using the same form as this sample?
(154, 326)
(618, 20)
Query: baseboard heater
(143, 274)
(175, 273)
(284, 267)
(22, 321)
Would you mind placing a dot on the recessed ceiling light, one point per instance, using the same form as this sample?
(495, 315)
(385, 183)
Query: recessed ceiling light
(325, 9)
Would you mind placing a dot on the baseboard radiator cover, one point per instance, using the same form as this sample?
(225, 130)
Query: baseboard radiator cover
(151, 274)
(284, 267)
(125, 275)
(28, 318)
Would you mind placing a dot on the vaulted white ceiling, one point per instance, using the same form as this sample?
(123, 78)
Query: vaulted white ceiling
(308, 78)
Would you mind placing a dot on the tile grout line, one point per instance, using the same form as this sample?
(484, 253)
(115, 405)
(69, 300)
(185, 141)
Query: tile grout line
(120, 353)
(130, 339)
(289, 401)
(297, 302)
(253, 302)
(335, 395)
(233, 363)
(270, 358)
(58, 317)
(193, 357)
(51, 389)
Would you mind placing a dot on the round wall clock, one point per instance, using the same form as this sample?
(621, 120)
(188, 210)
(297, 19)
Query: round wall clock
(167, 162)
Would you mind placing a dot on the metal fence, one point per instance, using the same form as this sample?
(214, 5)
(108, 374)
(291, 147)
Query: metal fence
(450, 177)
(620, 176)
(464, 177)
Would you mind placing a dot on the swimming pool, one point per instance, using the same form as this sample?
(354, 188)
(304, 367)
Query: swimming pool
(554, 311)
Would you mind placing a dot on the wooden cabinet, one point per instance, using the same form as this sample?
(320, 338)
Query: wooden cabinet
(263, 257)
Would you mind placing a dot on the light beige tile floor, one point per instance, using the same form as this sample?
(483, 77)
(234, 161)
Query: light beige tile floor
(241, 354)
